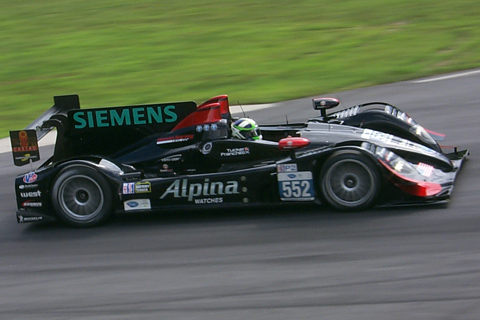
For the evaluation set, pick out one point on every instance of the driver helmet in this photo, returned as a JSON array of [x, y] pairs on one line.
[[246, 129]]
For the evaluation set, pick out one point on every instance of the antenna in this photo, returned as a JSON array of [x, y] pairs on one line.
[[243, 111], [286, 118]]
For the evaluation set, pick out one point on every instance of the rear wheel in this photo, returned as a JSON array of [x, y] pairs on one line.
[[81, 196], [350, 180]]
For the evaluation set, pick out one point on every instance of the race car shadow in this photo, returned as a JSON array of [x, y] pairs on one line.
[[280, 212], [287, 213]]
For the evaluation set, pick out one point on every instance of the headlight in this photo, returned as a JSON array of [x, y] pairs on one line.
[[405, 175], [392, 160], [420, 132]]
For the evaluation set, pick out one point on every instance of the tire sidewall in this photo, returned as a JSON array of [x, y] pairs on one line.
[[355, 156], [90, 173]]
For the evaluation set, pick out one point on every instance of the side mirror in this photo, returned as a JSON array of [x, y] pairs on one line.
[[325, 103]]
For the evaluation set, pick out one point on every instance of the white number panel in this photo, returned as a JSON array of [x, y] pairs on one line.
[[296, 186]]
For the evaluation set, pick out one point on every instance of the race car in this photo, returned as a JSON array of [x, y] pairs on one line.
[[178, 155]]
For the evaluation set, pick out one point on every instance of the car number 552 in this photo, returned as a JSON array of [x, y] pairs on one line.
[[296, 186]]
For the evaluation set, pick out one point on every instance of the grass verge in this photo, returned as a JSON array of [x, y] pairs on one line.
[[119, 52]]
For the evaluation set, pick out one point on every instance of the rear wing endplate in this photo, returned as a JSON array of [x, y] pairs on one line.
[[25, 142], [62, 104]]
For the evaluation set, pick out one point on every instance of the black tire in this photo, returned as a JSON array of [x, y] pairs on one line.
[[81, 196], [350, 181]]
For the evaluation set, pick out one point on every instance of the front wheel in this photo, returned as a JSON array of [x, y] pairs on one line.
[[81, 196], [350, 181]]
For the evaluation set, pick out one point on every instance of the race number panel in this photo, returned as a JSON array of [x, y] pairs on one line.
[[296, 186]]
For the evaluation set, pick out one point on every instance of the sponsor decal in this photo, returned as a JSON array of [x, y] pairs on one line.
[[137, 204], [209, 201], [123, 116], [376, 135], [185, 189], [165, 168], [290, 167], [172, 158], [137, 187], [22, 219], [27, 186], [30, 177], [32, 194], [173, 139], [207, 148], [143, 187], [129, 188], [235, 152], [32, 204], [296, 186], [425, 169], [24, 147], [24, 158]]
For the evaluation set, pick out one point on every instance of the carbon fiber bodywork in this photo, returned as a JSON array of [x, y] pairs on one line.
[[153, 157]]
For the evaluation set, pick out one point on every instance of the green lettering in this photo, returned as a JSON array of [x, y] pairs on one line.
[[170, 112], [78, 117], [154, 116], [119, 120], [91, 124], [102, 118], [138, 115]]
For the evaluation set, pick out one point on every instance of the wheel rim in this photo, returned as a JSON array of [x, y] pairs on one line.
[[350, 183], [81, 197]]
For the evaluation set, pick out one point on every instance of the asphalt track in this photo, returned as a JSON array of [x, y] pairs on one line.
[[303, 262]]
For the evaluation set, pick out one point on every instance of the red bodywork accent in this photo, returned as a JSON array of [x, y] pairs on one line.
[[213, 110], [413, 187], [224, 105], [204, 114], [436, 135], [291, 143], [420, 188]]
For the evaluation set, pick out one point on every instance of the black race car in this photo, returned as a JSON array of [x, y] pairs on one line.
[[152, 157]]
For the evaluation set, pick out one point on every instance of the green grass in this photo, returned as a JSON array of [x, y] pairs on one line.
[[119, 52]]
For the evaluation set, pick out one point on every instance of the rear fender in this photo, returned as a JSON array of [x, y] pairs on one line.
[[111, 171]]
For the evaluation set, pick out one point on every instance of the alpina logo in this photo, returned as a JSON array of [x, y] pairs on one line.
[[184, 189]]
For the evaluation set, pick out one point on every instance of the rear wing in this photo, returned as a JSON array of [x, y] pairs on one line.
[[61, 106], [108, 131]]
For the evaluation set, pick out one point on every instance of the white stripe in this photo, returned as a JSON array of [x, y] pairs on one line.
[[452, 76]]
